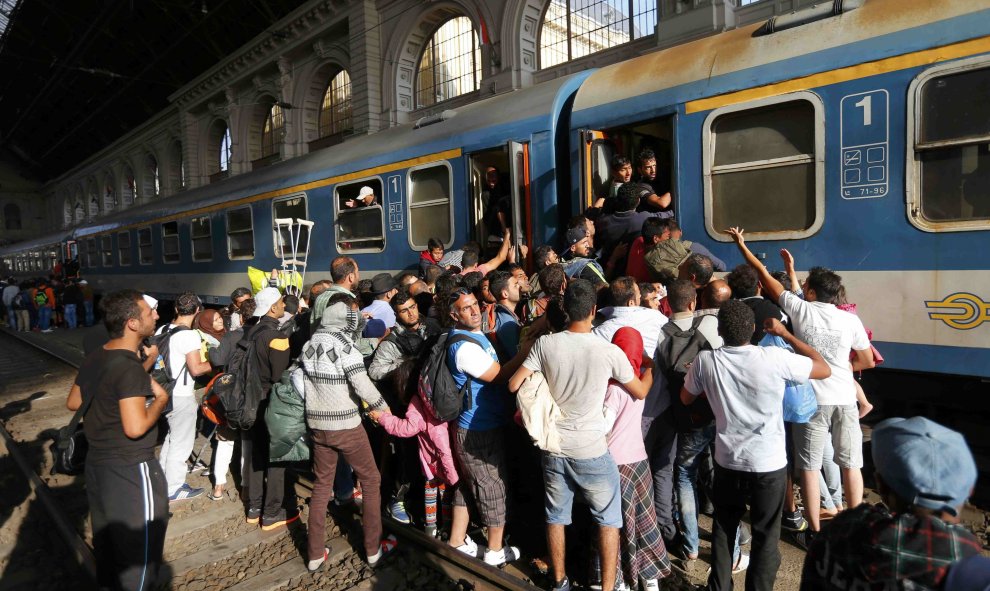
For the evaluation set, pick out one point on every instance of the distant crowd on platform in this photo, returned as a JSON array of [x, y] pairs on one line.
[[612, 379], [43, 305]]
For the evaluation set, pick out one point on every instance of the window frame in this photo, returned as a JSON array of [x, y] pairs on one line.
[[92, 253], [178, 242], [150, 245], [121, 249], [305, 198], [193, 238], [409, 202], [818, 159], [912, 165], [330, 110], [337, 211], [477, 61], [254, 247], [570, 36]]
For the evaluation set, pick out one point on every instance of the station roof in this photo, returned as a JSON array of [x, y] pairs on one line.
[[75, 76]]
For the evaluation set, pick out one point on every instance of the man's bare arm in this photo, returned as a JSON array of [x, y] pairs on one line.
[[771, 286]]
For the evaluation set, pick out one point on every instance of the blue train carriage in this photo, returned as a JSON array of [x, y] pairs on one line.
[[427, 179], [858, 141], [36, 257]]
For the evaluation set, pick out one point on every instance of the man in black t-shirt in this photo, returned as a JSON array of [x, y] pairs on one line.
[[124, 482], [745, 285]]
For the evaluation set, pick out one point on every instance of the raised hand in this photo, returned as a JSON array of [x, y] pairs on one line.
[[737, 235], [787, 257]]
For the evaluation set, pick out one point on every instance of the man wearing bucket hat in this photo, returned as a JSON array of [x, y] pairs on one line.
[[924, 472], [384, 288]]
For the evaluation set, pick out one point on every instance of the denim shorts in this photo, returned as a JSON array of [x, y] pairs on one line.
[[595, 479]]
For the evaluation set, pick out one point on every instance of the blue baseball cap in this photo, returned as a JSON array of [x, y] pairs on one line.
[[374, 329], [924, 463], [970, 574]]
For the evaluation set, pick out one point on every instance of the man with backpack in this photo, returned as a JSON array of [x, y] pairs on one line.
[[44, 302], [179, 362], [478, 440], [264, 482], [681, 340], [745, 387]]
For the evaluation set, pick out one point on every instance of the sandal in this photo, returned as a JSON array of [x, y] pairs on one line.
[[214, 495]]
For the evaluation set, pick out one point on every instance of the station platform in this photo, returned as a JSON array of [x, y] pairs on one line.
[[64, 343]]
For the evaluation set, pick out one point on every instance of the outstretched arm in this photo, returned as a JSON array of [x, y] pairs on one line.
[[771, 286], [788, 258], [503, 253]]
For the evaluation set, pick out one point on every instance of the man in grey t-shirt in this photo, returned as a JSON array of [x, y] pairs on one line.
[[577, 367]]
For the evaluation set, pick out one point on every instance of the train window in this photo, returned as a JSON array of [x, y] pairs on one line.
[[289, 208], [91, 252], [124, 248], [106, 250], [145, 249], [201, 236], [170, 242], [948, 161], [360, 220], [429, 205], [764, 168], [240, 234]]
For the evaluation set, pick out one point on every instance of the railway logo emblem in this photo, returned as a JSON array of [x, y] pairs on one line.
[[961, 311]]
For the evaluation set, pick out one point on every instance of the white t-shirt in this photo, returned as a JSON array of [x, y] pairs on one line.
[[745, 386], [834, 333], [472, 359], [648, 322], [179, 344], [577, 367]]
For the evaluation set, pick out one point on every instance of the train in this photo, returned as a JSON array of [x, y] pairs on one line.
[[854, 134]]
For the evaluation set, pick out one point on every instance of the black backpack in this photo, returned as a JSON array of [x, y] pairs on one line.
[[675, 354], [239, 387], [437, 387]]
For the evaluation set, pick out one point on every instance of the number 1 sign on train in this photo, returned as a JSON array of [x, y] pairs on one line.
[[865, 144]]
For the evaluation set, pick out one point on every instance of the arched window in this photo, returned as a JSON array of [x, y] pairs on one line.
[[94, 204], [152, 179], [271, 133], [79, 212], [129, 189], [109, 194], [12, 216], [575, 28], [451, 63], [335, 112], [225, 150], [67, 213]]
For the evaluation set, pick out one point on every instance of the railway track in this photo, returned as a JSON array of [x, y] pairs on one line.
[[210, 547]]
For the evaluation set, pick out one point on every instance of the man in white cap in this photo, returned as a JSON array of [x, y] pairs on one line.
[[924, 472], [366, 196], [264, 483]]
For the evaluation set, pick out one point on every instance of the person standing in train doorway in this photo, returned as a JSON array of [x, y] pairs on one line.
[[125, 484], [498, 207]]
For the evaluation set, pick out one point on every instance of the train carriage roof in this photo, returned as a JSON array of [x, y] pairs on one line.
[[736, 59], [468, 127]]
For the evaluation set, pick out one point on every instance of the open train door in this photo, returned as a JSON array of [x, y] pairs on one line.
[[522, 212], [595, 162]]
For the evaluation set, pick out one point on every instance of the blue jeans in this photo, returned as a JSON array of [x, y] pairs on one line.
[[88, 307], [70, 316], [44, 317], [690, 446], [12, 318], [596, 478], [830, 479]]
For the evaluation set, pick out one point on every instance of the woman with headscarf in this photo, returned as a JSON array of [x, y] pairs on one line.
[[335, 384], [642, 552]]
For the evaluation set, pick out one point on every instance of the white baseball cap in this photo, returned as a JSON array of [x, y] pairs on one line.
[[365, 191], [265, 299], [152, 302]]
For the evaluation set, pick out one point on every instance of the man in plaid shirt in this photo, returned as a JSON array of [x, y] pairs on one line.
[[925, 473]]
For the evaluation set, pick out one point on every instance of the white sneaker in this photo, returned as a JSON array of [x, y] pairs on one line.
[[651, 585], [315, 565], [504, 556], [469, 547], [742, 564]]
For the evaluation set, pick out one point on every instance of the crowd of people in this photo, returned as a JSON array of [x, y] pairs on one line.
[[621, 373], [43, 305]]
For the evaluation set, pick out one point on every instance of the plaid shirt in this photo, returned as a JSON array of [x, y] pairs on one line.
[[869, 548]]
